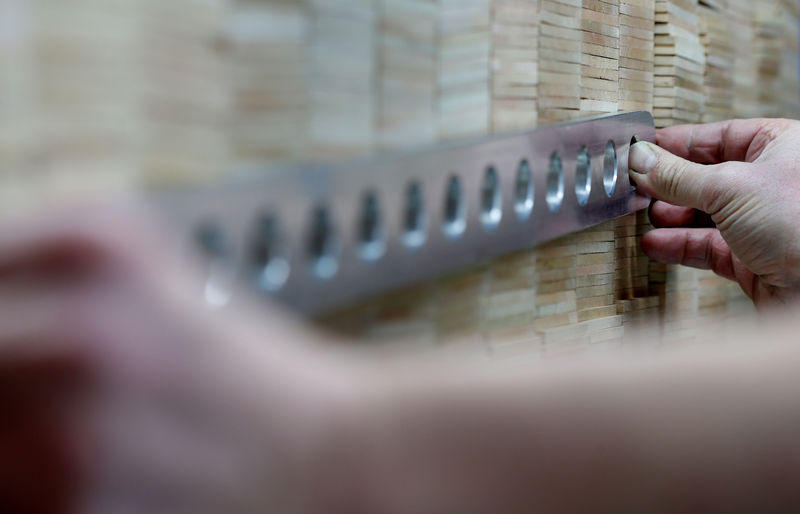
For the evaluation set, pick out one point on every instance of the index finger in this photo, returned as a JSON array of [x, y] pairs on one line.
[[714, 143]]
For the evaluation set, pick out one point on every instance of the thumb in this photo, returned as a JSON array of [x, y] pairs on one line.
[[667, 177]]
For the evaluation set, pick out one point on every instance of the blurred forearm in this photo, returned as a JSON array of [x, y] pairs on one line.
[[700, 430]]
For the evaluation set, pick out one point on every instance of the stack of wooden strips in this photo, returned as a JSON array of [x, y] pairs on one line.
[[769, 47], [636, 26], [463, 95], [406, 73], [596, 283], [679, 63], [718, 40], [776, 57], [509, 298], [600, 53], [340, 77], [186, 95], [143, 92], [790, 65], [632, 294], [514, 78], [509, 306], [110, 96], [739, 18], [267, 62], [18, 106], [595, 259], [559, 60], [302, 79]]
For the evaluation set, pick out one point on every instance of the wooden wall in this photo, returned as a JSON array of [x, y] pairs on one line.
[[146, 93]]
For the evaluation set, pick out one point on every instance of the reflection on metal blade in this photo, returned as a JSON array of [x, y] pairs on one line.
[[320, 235]]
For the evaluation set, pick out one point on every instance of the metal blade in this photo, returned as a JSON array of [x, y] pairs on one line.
[[317, 236]]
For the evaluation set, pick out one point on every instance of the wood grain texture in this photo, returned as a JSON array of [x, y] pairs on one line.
[[153, 94]]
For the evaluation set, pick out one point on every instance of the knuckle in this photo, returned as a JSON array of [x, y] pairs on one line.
[[722, 185]]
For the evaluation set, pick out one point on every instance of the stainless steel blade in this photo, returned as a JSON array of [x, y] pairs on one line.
[[320, 235]]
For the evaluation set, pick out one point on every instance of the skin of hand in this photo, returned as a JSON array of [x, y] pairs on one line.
[[120, 392], [727, 201]]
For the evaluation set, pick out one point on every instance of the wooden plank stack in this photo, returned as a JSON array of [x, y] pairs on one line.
[[559, 60], [508, 307], [106, 96], [342, 68], [18, 104], [679, 63], [790, 66], [776, 56], [406, 73], [740, 19], [145, 93], [186, 95], [267, 63], [636, 33], [600, 54], [717, 38], [85, 108], [463, 85], [595, 262], [769, 47], [514, 66]]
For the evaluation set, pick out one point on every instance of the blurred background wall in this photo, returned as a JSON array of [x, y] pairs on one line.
[[103, 96]]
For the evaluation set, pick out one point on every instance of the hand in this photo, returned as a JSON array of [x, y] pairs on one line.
[[745, 176], [120, 393]]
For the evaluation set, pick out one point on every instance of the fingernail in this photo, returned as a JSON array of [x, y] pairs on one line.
[[642, 158]]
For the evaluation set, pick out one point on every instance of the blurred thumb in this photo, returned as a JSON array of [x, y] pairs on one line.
[[668, 177]]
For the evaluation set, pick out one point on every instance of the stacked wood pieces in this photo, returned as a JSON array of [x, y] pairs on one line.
[[634, 300], [302, 79], [508, 308], [111, 96], [600, 54], [740, 19], [556, 283], [560, 68], [679, 63], [718, 40], [342, 68], [720, 53], [681, 305], [463, 85], [636, 26], [514, 79], [406, 73], [123, 94], [268, 62], [186, 97], [509, 305], [790, 71], [560, 60], [87, 93], [634, 303], [769, 47], [596, 281], [460, 306], [463, 109], [18, 105]]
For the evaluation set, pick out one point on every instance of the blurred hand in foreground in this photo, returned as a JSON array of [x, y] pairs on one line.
[[120, 392], [728, 202]]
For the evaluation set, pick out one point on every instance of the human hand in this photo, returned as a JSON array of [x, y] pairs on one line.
[[120, 392], [728, 201]]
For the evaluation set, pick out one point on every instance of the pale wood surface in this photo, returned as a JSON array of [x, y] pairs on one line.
[[151, 94]]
